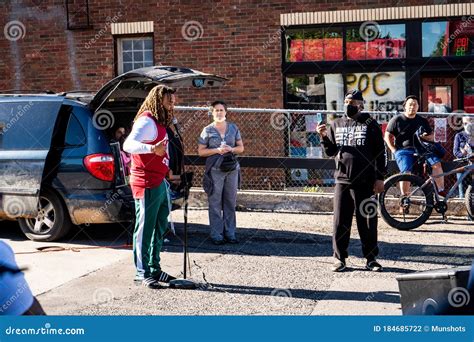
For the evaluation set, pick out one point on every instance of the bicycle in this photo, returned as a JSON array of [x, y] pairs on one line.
[[409, 211]]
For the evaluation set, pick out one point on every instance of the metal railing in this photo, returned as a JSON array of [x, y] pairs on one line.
[[282, 148]]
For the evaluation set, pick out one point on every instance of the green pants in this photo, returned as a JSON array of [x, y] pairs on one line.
[[150, 227]]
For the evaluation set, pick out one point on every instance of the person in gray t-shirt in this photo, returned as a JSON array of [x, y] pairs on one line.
[[219, 142]]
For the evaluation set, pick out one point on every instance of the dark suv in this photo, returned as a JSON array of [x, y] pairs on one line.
[[58, 166]]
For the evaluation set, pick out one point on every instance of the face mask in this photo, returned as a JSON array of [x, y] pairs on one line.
[[351, 110], [219, 119], [469, 128]]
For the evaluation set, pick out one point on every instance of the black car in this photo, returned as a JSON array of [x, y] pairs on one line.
[[59, 166]]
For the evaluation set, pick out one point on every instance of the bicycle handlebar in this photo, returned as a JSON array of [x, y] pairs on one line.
[[467, 158]]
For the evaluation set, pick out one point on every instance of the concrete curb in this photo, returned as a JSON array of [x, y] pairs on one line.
[[281, 201]]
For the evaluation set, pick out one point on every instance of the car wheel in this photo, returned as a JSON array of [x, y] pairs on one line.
[[52, 222]]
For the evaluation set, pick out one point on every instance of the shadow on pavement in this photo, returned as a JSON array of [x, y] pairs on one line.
[[267, 242], [261, 241], [104, 235], [378, 296]]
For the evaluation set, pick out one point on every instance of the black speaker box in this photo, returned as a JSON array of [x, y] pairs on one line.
[[437, 292]]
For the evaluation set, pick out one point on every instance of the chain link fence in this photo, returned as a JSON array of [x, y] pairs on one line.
[[286, 133]]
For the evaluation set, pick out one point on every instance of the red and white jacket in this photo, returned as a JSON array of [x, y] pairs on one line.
[[148, 169]]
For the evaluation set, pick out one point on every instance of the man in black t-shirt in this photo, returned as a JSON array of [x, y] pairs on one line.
[[399, 138]]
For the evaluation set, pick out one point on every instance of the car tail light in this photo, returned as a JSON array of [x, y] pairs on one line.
[[101, 166]]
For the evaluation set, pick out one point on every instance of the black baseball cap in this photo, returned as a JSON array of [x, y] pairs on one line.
[[354, 94]]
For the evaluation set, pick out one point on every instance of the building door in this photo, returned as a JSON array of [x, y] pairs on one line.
[[439, 94]]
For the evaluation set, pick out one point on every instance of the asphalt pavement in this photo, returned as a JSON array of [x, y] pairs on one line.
[[280, 267]]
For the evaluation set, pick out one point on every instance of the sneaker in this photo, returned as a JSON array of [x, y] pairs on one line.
[[339, 266], [149, 282], [218, 242], [163, 277], [373, 265]]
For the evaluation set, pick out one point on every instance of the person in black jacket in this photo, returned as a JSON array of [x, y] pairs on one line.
[[356, 142]]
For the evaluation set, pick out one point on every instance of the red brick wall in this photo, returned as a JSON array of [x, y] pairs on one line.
[[240, 41]]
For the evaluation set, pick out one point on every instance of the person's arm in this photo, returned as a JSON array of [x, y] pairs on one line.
[[429, 134], [239, 144], [428, 137], [239, 147], [203, 151], [389, 139], [457, 150], [175, 179], [328, 140], [143, 132], [379, 152], [390, 134]]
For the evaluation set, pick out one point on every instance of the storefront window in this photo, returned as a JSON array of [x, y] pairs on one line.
[[469, 95], [380, 42], [448, 38], [320, 91], [313, 45], [383, 91], [439, 99]]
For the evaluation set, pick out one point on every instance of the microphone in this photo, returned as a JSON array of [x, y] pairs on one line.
[[175, 123], [177, 127]]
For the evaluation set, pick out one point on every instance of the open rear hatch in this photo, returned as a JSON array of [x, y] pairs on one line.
[[131, 88], [135, 85]]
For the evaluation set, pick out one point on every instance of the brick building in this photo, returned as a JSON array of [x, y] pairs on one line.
[[280, 53]]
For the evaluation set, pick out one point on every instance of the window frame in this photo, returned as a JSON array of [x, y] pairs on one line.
[[434, 20], [74, 117], [118, 49], [344, 27]]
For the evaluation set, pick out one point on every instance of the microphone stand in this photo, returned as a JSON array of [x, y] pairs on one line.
[[183, 283]]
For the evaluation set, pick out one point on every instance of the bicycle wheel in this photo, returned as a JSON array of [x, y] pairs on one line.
[[406, 212], [469, 201]]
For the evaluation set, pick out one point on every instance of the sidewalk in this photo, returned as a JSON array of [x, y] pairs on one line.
[[281, 267], [294, 202]]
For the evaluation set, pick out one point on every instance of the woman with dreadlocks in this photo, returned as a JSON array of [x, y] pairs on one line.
[[148, 145]]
